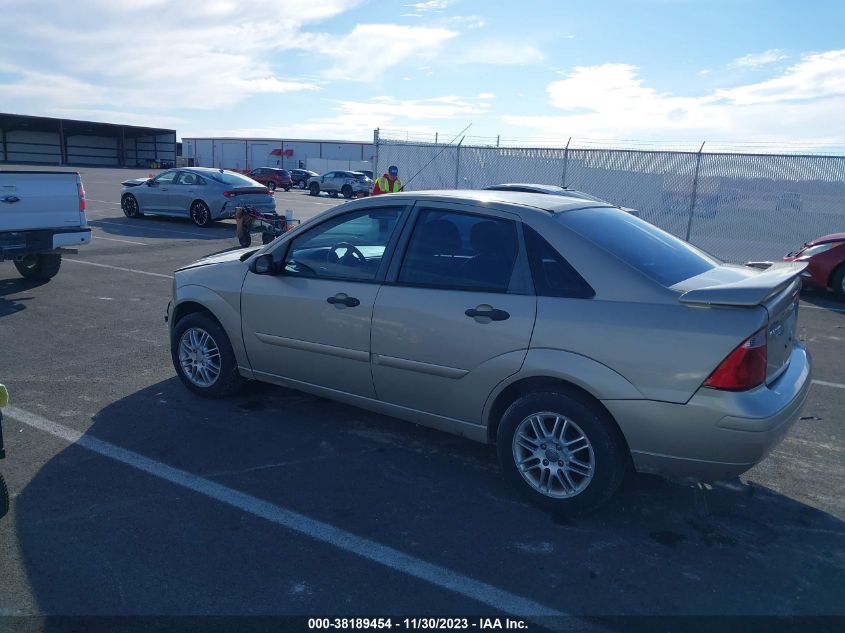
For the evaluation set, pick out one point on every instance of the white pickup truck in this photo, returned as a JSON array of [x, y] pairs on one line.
[[42, 215]]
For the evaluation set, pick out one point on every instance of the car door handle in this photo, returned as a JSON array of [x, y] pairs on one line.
[[10, 199], [491, 313], [349, 302]]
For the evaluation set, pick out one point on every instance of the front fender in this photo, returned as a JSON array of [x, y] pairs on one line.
[[227, 314], [597, 379]]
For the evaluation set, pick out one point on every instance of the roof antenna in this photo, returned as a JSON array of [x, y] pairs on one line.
[[445, 147]]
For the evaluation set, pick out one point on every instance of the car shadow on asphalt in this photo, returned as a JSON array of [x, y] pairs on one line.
[[99, 537], [13, 287], [822, 298], [162, 228]]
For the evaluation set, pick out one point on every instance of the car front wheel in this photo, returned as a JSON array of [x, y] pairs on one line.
[[562, 451], [837, 282], [203, 358], [271, 186]]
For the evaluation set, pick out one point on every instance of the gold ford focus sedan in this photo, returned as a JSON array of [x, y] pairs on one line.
[[576, 337]]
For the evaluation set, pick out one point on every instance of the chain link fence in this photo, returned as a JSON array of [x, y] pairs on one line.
[[738, 206]]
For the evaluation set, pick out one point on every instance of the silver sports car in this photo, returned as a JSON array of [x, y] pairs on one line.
[[576, 337], [199, 193]]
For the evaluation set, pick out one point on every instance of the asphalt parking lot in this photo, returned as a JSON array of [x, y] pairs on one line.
[[131, 496]]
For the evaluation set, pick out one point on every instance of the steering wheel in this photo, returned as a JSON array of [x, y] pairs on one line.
[[351, 251]]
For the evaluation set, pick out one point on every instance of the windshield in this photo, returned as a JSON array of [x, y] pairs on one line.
[[652, 251], [236, 180]]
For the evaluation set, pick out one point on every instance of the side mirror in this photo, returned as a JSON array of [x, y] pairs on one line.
[[150, 183], [263, 265]]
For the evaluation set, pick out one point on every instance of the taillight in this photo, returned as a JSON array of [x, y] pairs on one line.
[[744, 368], [229, 194], [81, 190]]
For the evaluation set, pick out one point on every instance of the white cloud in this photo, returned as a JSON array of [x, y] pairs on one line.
[[430, 5], [499, 53], [612, 101], [370, 49], [150, 54], [467, 21], [756, 60], [486, 95]]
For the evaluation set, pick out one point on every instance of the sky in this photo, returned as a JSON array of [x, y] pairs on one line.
[[751, 73]]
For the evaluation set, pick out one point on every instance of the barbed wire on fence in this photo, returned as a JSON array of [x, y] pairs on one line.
[[739, 206]]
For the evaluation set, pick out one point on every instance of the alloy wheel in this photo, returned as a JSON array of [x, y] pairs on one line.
[[199, 357], [553, 455]]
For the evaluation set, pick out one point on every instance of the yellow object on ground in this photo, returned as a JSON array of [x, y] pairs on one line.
[[4, 396]]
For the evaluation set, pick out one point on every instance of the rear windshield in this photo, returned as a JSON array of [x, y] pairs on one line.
[[236, 180], [654, 252], [283, 172], [357, 176]]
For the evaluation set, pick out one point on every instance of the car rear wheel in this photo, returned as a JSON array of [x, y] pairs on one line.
[[315, 189], [302, 184], [562, 451], [346, 190], [40, 267], [129, 205], [837, 282], [203, 358], [201, 214], [287, 188], [271, 186]]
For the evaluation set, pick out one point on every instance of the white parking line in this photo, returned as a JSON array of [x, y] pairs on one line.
[[128, 270], [824, 383], [389, 557], [805, 306], [114, 239], [117, 204]]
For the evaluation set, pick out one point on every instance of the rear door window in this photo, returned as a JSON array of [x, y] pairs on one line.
[[461, 251], [657, 254]]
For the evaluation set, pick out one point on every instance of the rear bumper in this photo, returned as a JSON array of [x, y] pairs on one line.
[[717, 434], [19, 243]]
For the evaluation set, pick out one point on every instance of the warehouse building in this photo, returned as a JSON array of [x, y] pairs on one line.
[[242, 154], [44, 140]]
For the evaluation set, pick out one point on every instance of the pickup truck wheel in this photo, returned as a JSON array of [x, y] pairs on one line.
[[201, 214], [203, 358], [314, 188], [41, 267], [562, 451], [130, 206], [346, 190]]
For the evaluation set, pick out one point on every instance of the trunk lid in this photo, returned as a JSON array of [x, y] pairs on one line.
[[257, 196], [775, 289]]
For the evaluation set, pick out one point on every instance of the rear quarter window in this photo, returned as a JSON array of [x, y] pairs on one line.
[[655, 253]]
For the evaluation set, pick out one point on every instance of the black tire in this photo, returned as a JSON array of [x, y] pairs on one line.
[[314, 189], [609, 451], [229, 380], [271, 186], [41, 267], [287, 188], [245, 239], [201, 214], [303, 184], [129, 205], [4, 498], [837, 282], [346, 190]]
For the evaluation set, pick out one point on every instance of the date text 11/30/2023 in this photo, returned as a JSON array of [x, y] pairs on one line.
[[417, 623]]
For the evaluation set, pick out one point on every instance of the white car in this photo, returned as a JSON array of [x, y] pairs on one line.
[[42, 214]]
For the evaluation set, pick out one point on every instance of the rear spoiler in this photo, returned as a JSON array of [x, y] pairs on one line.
[[751, 291]]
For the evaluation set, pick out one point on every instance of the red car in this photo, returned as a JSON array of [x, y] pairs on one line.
[[825, 257], [272, 177]]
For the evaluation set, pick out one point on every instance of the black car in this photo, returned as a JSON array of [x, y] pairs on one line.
[[300, 177]]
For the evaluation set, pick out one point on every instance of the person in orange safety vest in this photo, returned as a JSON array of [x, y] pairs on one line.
[[389, 183]]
